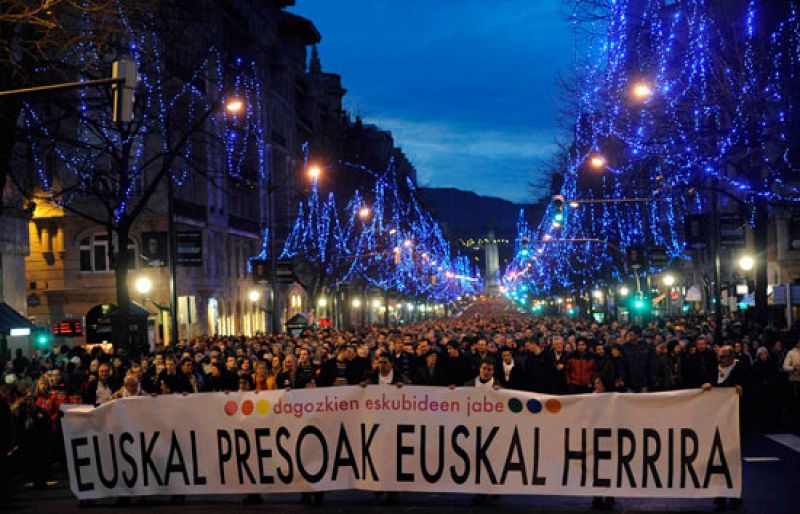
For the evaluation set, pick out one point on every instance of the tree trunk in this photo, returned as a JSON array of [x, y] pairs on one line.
[[760, 229], [122, 329], [9, 112]]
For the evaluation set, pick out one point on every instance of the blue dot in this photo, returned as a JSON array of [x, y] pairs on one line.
[[535, 406]]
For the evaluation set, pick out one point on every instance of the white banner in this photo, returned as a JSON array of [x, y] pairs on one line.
[[425, 439]]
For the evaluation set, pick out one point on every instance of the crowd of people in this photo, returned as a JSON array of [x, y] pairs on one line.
[[553, 355]]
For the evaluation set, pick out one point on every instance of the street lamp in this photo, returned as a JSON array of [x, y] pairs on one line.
[[669, 280], [254, 295], [597, 161], [143, 285], [234, 106], [322, 302], [624, 291], [364, 213], [356, 303], [641, 91], [314, 172], [746, 262]]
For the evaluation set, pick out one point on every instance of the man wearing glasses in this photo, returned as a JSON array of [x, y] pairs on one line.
[[732, 374]]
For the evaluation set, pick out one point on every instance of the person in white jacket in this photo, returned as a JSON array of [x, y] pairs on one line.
[[791, 365]]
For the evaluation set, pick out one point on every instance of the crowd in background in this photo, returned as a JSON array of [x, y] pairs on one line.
[[545, 355]]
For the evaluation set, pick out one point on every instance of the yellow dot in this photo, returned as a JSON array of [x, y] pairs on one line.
[[262, 407]]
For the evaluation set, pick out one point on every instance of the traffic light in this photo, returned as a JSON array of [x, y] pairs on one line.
[[42, 340], [524, 251], [125, 71], [558, 209], [640, 304]]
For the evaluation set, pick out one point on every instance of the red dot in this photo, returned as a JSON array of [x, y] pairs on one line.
[[247, 407], [230, 408]]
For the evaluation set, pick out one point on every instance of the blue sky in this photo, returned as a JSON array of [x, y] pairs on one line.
[[467, 87]]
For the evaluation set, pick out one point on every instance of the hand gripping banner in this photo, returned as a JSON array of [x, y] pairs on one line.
[[423, 439]]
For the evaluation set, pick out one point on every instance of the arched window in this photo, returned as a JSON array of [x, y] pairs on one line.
[[95, 256]]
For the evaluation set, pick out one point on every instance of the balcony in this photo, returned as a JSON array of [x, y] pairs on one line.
[[189, 210], [244, 225]]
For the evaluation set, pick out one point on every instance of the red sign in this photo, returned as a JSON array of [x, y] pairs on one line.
[[68, 327], [325, 322]]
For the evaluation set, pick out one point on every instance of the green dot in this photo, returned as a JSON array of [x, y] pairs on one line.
[[514, 405]]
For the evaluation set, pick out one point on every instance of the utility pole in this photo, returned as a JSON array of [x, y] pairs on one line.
[[717, 269], [275, 312], [173, 263]]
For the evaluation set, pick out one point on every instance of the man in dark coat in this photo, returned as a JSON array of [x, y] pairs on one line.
[[638, 363], [508, 373], [731, 373], [430, 373], [539, 374]]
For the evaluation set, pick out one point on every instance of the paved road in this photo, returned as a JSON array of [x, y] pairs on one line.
[[770, 486]]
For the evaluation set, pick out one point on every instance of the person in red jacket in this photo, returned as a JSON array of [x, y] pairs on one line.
[[581, 369]]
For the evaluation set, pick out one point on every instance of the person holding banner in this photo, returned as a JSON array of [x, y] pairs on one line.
[[385, 375], [731, 373]]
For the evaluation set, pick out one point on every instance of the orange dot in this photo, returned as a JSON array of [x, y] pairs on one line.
[[553, 405], [230, 408], [247, 407]]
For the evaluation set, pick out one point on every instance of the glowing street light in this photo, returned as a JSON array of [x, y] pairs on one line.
[[597, 161], [642, 91], [364, 213], [322, 302], [624, 291], [407, 243], [747, 262], [143, 285], [669, 280], [254, 295], [314, 172], [234, 106], [597, 293], [356, 303]]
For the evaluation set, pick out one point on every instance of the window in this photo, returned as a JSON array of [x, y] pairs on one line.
[[94, 254]]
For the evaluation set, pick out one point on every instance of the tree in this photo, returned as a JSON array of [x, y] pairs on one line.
[[107, 171], [677, 99], [31, 31]]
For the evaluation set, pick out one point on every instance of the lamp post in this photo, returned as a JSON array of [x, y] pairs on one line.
[[233, 106], [668, 281], [254, 296]]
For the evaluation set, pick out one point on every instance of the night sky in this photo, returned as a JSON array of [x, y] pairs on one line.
[[467, 87]]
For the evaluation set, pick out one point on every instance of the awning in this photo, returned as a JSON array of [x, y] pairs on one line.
[[9, 318]]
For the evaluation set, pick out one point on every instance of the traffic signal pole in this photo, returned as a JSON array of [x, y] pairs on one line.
[[123, 81]]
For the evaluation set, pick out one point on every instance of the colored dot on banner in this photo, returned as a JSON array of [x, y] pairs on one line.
[[514, 405], [230, 408], [262, 407], [535, 406], [247, 407], [553, 405]]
